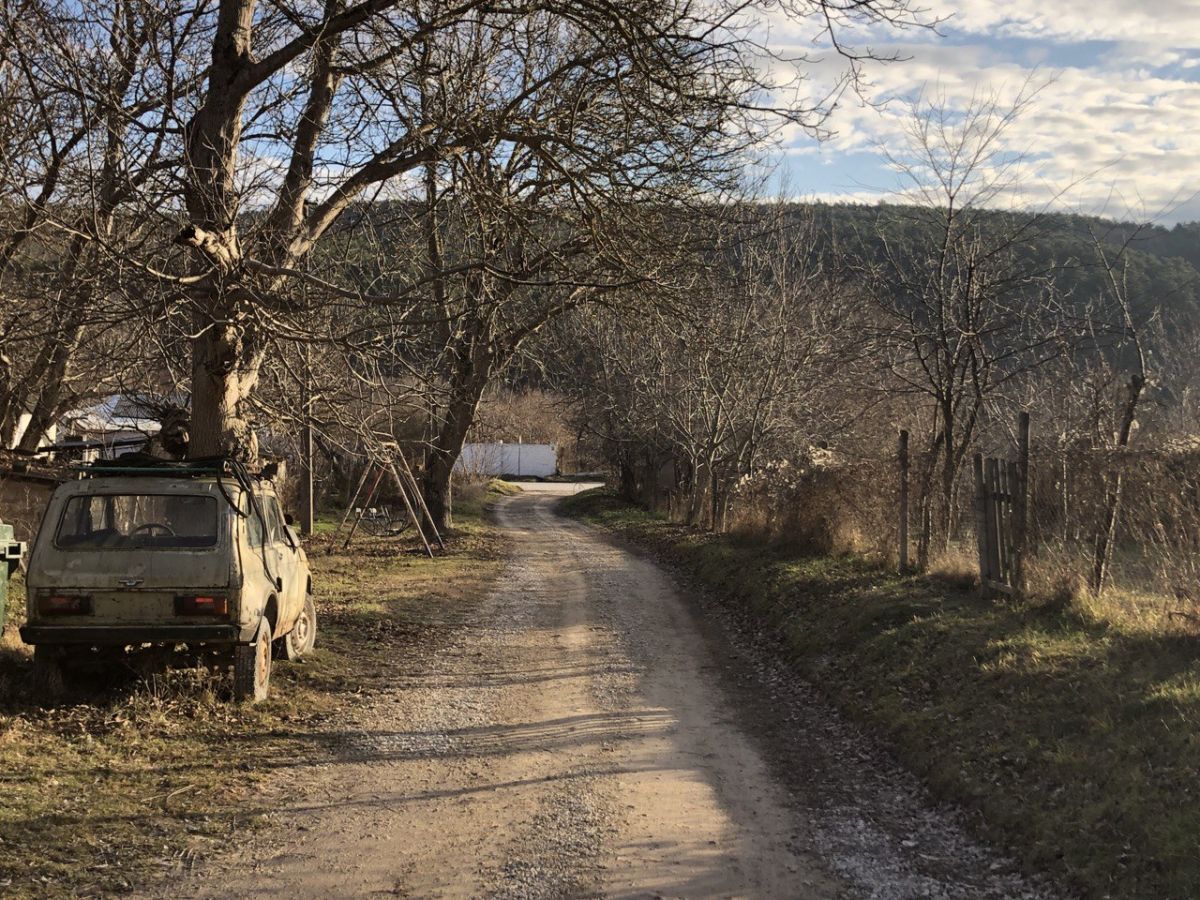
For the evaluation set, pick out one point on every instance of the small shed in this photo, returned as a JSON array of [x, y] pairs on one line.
[[118, 424], [519, 460]]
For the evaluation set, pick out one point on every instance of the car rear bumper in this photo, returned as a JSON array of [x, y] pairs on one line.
[[133, 634]]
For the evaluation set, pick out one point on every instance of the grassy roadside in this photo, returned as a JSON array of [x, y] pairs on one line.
[[134, 778], [1077, 740]]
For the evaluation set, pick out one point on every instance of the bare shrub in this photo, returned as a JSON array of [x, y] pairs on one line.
[[818, 505], [1154, 563]]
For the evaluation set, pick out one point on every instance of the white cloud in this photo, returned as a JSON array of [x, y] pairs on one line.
[[1163, 23], [1112, 128]]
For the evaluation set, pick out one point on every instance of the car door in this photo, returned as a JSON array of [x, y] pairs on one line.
[[287, 563], [260, 564]]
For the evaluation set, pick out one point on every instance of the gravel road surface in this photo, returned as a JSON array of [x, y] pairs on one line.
[[592, 730]]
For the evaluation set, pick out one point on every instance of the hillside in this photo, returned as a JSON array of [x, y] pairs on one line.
[[1163, 264]]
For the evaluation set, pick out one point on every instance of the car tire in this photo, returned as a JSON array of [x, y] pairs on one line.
[[48, 676], [252, 667], [300, 640]]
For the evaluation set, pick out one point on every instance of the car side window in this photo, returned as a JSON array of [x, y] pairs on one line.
[[274, 519], [254, 527]]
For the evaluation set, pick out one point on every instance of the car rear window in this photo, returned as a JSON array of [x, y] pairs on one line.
[[138, 522]]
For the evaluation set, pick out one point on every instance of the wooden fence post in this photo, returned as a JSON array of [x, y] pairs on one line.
[[991, 484], [981, 529], [1021, 506], [926, 535], [903, 501]]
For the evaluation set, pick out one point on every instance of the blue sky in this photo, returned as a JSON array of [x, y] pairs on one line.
[[1115, 128]]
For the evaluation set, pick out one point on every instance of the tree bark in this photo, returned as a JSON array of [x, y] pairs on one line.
[[440, 465], [948, 473], [471, 381], [628, 480], [222, 359], [222, 377], [46, 407]]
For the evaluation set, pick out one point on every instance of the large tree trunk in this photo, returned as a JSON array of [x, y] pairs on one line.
[[49, 399], [436, 488], [224, 371], [439, 465], [628, 479], [224, 365], [696, 493], [472, 379]]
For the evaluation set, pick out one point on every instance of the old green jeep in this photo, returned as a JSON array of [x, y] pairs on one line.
[[196, 554]]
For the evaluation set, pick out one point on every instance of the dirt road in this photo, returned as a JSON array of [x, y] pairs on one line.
[[582, 734]]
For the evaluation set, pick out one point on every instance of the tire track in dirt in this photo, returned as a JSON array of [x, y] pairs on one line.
[[572, 737]]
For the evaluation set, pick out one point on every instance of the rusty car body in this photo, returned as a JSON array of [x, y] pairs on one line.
[[197, 554]]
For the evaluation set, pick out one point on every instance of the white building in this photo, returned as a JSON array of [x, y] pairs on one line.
[[518, 460], [112, 427]]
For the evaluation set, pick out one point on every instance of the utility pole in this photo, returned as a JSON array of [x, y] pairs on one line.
[[307, 500]]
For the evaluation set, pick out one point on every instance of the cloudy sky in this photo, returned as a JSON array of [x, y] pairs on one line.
[[1115, 130]]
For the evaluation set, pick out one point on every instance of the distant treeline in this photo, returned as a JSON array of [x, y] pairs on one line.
[[1163, 264]]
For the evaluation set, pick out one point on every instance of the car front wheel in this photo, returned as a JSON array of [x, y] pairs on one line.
[[252, 667]]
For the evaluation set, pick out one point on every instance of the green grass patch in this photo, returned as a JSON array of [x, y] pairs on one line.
[[500, 488], [472, 499], [1077, 740], [126, 781]]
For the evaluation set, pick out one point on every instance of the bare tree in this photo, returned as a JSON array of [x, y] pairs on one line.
[[965, 311], [385, 92], [97, 84], [1129, 340], [530, 143], [727, 384]]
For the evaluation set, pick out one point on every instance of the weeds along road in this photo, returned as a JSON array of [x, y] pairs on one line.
[[576, 736]]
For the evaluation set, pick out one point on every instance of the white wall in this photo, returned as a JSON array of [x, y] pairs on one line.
[[531, 460], [23, 421]]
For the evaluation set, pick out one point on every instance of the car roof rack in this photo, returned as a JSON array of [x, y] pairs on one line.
[[144, 464]]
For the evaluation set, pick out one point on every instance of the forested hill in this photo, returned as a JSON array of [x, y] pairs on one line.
[[1163, 264], [1163, 268]]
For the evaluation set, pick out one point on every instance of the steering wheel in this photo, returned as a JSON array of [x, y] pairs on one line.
[[150, 526]]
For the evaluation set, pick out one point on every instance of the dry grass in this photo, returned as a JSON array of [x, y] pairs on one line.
[[955, 567], [137, 777], [1057, 578], [818, 508], [472, 498]]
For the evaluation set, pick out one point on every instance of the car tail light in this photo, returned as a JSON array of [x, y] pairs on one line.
[[201, 606], [64, 605]]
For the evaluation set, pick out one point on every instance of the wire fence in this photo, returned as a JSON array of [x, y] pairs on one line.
[[1122, 522]]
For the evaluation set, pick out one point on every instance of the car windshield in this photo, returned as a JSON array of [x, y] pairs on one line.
[[138, 521]]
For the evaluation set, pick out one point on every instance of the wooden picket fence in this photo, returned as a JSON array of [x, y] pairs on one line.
[[1001, 505], [996, 498], [1001, 502]]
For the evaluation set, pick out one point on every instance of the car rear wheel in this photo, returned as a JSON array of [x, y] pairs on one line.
[[299, 641], [252, 667], [48, 677]]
